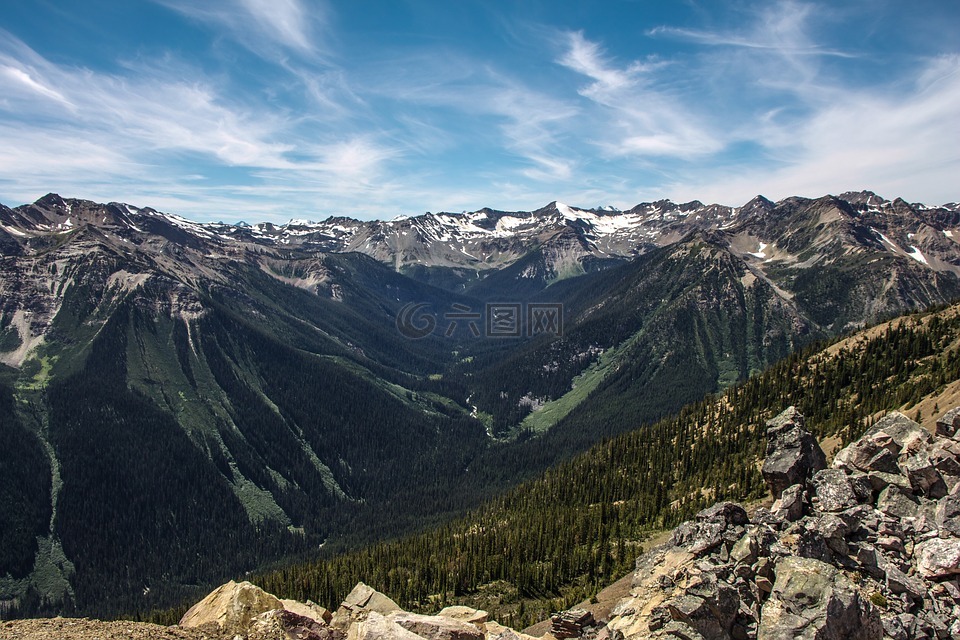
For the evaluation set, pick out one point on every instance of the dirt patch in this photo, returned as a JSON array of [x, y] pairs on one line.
[[84, 629]]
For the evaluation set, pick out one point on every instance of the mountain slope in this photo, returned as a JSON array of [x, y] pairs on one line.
[[558, 539]]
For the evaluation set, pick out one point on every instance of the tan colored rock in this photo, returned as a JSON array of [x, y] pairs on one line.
[[496, 631], [232, 607], [436, 627], [465, 614], [359, 603], [308, 609], [376, 626]]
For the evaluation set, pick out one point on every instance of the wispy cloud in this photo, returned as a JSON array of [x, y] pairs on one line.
[[638, 116], [143, 126], [894, 139], [263, 26]]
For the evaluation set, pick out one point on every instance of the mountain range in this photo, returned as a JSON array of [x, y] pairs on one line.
[[229, 395]]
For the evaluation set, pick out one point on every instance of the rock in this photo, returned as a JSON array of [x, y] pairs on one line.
[[833, 490], [465, 614], [949, 423], [948, 514], [789, 506], [309, 610], [436, 627], [898, 582], [570, 623], [869, 560], [375, 626], [281, 624], [893, 628], [361, 601], [904, 432], [862, 487], [496, 631], [873, 452], [880, 481], [896, 502], [793, 454], [232, 607], [938, 557], [745, 551], [812, 600], [834, 529], [706, 530], [923, 475]]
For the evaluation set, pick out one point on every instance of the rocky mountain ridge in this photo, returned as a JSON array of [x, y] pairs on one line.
[[866, 548], [486, 239]]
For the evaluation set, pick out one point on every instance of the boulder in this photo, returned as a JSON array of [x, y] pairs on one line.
[[436, 627], [948, 514], [904, 432], [923, 475], [746, 550], [359, 603], [938, 557], [896, 502], [308, 609], [280, 624], [793, 454], [833, 490], [812, 600], [789, 506], [231, 607], [949, 423], [375, 626], [465, 614], [874, 452], [706, 530]]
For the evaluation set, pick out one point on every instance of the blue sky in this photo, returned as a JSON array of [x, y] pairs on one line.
[[272, 109]]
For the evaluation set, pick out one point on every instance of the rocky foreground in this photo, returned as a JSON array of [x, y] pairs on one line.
[[865, 549]]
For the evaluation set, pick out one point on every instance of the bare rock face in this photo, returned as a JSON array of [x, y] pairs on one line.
[[232, 607], [793, 455]]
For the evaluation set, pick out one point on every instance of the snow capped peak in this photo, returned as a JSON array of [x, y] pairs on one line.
[[566, 211]]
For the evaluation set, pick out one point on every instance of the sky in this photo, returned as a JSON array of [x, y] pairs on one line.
[[261, 110]]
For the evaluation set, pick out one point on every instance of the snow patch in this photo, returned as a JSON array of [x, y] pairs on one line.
[[759, 252], [916, 255], [17, 232]]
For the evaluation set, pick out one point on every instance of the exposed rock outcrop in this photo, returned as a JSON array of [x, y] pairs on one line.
[[867, 549], [231, 607], [793, 455]]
